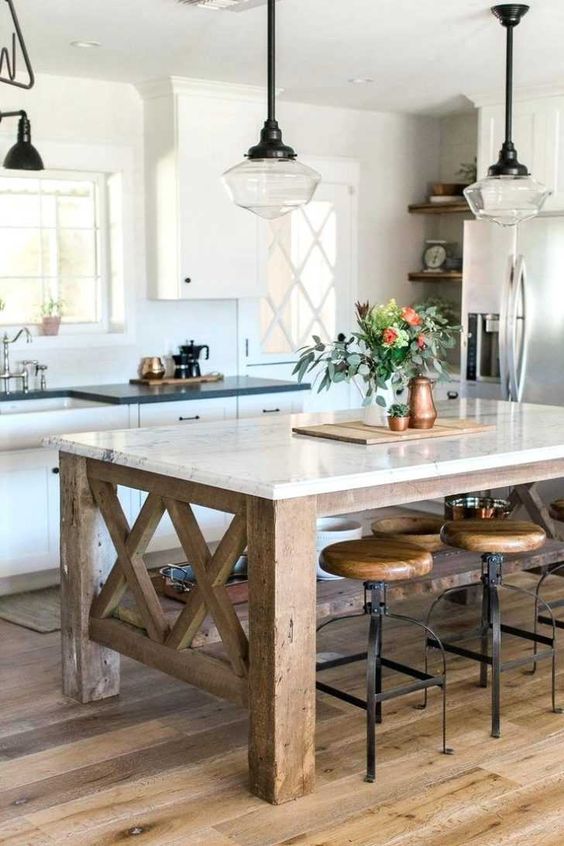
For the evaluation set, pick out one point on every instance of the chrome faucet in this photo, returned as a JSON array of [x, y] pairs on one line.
[[6, 375]]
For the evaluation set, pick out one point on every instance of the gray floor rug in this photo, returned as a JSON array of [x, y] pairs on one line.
[[39, 610]]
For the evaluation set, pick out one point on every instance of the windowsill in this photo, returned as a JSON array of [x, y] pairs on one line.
[[66, 341]]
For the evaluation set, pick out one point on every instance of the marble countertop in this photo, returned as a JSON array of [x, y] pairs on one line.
[[262, 457], [127, 394]]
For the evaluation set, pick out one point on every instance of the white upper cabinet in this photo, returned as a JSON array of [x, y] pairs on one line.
[[538, 134], [199, 244]]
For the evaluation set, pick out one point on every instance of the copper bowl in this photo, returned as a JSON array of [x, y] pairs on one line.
[[152, 367], [476, 508], [420, 531]]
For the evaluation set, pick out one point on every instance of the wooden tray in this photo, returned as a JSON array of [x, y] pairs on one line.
[[194, 380], [357, 432]]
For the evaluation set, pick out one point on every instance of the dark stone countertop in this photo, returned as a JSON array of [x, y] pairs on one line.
[[126, 394]]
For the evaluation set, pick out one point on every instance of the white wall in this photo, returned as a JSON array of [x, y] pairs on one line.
[[398, 155]]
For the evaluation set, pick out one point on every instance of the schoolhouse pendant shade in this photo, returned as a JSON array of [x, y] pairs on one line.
[[508, 195], [271, 182]]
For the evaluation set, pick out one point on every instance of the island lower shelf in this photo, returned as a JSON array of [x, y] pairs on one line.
[[452, 568]]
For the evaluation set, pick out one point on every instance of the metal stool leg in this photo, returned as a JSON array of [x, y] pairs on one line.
[[373, 680], [485, 629], [496, 660]]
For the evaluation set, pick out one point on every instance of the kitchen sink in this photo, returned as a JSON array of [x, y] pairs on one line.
[[33, 406]]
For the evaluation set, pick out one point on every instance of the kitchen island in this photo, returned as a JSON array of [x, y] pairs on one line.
[[275, 484]]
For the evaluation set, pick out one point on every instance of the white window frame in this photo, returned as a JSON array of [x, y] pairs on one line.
[[123, 166], [103, 258]]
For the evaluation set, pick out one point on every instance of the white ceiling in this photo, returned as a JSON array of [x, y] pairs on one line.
[[422, 54]]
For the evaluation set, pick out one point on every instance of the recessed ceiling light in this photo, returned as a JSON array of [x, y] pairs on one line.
[[85, 44], [361, 80]]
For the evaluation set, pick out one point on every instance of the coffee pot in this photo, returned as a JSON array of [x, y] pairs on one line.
[[187, 363]]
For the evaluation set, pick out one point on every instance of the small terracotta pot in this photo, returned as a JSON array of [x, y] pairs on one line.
[[422, 411], [50, 325], [398, 424]]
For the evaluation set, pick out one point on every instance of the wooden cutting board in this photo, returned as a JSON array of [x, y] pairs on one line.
[[194, 380], [357, 432]]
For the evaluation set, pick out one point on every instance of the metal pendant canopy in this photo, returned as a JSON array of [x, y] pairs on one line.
[[8, 55]]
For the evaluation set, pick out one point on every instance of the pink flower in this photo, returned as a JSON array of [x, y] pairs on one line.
[[389, 336], [421, 342], [410, 316]]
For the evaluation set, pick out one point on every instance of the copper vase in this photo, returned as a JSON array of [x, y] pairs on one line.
[[422, 411]]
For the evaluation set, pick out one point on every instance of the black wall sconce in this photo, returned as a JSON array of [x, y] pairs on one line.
[[23, 155]]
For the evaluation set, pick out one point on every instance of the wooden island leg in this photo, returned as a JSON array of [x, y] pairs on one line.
[[90, 671], [282, 585]]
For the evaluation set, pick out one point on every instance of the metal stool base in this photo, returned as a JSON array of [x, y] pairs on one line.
[[492, 564], [377, 609]]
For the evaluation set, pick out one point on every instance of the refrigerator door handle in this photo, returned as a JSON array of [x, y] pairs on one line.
[[504, 330], [518, 329]]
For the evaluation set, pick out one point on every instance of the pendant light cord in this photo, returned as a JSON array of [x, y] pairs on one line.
[[271, 59], [509, 86]]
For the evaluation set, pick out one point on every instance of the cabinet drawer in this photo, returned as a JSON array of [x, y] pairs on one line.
[[265, 405], [188, 412]]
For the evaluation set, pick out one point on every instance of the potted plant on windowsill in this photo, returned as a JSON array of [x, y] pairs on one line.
[[51, 312], [393, 348], [398, 417]]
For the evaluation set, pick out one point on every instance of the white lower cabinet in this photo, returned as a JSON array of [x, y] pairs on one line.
[[270, 405], [29, 509], [189, 413]]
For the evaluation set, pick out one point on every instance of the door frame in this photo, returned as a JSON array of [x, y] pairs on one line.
[[335, 171]]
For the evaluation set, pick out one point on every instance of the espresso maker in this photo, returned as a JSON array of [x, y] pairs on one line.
[[187, 363]]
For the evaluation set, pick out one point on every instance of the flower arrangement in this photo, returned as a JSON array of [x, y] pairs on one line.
[[392, 345]]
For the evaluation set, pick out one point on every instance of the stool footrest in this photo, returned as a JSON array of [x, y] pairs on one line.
[[548, 622], [487, 659], [393, 693], [536, 638]]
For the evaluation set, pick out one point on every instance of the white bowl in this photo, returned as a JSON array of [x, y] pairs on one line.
[[334, 530]]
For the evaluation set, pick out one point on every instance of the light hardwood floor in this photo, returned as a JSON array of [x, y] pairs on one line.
[[166, 764]]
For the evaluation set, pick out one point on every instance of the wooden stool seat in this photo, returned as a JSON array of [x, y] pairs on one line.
[[420, 531], [556, 510], [493, 535], [376, 560]]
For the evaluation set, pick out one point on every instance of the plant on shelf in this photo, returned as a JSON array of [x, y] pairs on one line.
[[392, 346], [468, 171], [51, 312], [398, 416]]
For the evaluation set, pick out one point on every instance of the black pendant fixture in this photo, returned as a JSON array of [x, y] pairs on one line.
[[23, 155], [271, 182], [509, 194], [8, 55]]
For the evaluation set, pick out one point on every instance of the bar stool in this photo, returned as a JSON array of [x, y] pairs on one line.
[[494, 538], [376, 562], [424, 531]]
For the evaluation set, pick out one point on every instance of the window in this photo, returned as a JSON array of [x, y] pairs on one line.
[[53, 244]]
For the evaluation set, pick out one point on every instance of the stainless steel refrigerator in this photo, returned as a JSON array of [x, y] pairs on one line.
[[513, 311]]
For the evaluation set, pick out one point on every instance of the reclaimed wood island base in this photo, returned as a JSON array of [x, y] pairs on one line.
[[275, 485]]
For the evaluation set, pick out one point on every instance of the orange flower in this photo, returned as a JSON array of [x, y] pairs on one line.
[[421, 342], [389, 336], [410, 316]]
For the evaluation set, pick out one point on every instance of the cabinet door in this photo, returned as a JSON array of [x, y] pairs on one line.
[[218, 240], [538, 136], [187, 413], [29, 505], [271, 405]]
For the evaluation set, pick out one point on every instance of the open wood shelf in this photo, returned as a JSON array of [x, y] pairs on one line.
[[430, 276], [461, 207]]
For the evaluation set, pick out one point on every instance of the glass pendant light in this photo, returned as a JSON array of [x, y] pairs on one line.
[[509, 194], [271, 182]]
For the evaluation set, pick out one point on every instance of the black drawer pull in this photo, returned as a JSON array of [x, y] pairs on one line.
[[196, 417], [270, 410], [55, 470], [452, 394], [188, 280]]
